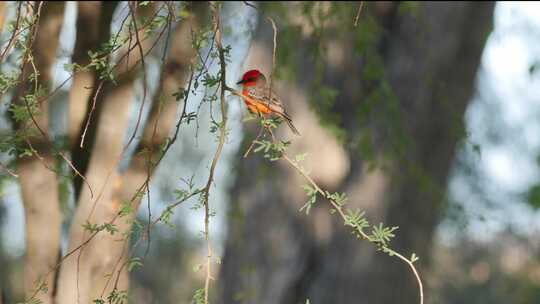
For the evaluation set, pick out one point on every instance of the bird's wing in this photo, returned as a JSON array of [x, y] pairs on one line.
[[261, 94], [272, 102]]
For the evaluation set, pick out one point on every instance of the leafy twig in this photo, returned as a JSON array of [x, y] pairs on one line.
[[221, 143], [380, 235]]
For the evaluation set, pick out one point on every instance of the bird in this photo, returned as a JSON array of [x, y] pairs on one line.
[[259, 100]]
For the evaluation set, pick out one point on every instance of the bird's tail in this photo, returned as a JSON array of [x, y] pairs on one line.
[[288, 120]]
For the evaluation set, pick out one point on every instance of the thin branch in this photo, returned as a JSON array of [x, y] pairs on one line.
[[362, 233], [138, 43], [90, 114], [340, 211], [5, 168], [223, 124], [274, 28], [358, 13], [250, 5], [261, 130], [16, 33]]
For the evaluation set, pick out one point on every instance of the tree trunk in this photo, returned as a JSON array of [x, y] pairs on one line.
[[274, 254], [37, 173], [99, 267], [93, 29]]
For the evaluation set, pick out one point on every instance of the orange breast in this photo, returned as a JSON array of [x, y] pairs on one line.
[[255, 106]]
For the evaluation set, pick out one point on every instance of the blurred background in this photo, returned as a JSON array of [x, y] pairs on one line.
[[426, 114]]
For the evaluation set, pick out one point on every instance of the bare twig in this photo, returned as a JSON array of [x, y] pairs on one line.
[[5, 168], [274, 28], [250, 5], [261, 130], [358, 13], [90, 114], [138, 43], [16, 32]]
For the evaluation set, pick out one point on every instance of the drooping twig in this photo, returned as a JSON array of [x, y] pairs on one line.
[[339, 209], [138, 42]]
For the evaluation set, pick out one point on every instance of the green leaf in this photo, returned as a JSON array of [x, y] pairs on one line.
[[91, 227], [382, 234], [339, 198], [198, 296], [197, 267], [110, 228], [356, 219], [134, 262], [125, 209], [180, 94], [300, 157]]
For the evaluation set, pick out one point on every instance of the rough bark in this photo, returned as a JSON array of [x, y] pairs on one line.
[[274, 254]]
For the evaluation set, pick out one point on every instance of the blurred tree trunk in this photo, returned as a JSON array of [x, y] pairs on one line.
[[90, 273], [37, 172], [275, 254], [100, 266], [2, 15], [87, 38]]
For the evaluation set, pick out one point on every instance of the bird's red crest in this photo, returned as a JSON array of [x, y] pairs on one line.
[[250, 76]]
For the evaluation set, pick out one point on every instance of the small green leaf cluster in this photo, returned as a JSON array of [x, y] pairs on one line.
[[311, 193], [198, 296], [271, 150], [28, 106], [115, 297], [379, 235], [94, 228], [42, 288], [8, 81], [100, 62], [134, 262], [182, 195]]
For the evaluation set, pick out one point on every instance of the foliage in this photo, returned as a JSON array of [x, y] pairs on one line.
[[110, 63]]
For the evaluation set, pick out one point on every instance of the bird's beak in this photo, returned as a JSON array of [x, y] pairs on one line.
[[240, 82]]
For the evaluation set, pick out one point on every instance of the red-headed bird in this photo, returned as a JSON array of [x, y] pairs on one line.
[[256, 97]]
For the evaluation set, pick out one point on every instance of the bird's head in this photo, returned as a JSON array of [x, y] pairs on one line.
[[252, 78]]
